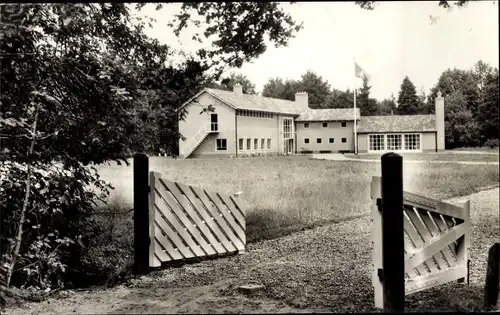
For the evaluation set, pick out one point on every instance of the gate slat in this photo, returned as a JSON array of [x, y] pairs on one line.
[[227, 243], [168, 245], [443, 228], [238, 232], [174, 236], [203, 213], [234, 211], [415, 239], [426, 236], [201, 248], [448, 257]]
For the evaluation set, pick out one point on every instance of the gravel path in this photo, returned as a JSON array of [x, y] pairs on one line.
[[326, 269]]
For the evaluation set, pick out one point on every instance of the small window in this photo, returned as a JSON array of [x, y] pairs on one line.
[[306, 140], [306, 125], [343, 124], [255, 144], [262, 142], [344, 140], [221, 144], [325, 125], [240, 144], [332, 140], [318, 140], [269, 144], [249, 144]]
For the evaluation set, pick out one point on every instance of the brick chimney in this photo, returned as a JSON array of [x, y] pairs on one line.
[[302, 100], [439, 112], [238, 89]]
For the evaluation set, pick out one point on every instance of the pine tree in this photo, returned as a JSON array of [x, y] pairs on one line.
[[408, 100], [367, 106]]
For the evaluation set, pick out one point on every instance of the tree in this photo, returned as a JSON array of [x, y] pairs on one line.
[[387, 106], [316, 88], [370, 5], [367, 106], [227, 84], [460, 127], [488, 111], [82, 85], [407, 99], [276, 88]]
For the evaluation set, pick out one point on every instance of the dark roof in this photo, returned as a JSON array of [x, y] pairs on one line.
[[397, 123], [330, 114], [255, 102]]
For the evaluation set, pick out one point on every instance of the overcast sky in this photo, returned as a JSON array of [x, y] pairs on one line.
[[395, 40]]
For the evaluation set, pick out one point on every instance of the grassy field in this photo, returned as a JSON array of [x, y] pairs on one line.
[[285, 194], [435, 156]]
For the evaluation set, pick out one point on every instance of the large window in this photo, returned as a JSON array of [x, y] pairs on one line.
[[394, 142], [255, 144], [269, 144], [249, 144], [377, 142], [221, 144], [287, 128], [240, 144], [412, 142], [262, 142]]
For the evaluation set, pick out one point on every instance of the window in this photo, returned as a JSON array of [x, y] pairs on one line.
[[249, 144], [240, 144], [318, 140], [344, 140], [332, 140], [221, 144], [394, 142], [412, 142], [376, 142], [306, 140], [287, 128], [262, 142], [325, 125], [255, 144], [269, 144], [306, 125], [343, 124]]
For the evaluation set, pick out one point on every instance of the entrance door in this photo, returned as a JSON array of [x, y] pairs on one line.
[[213, 122], [290, 147]]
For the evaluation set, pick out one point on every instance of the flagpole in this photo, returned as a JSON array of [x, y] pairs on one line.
[[355, 131]]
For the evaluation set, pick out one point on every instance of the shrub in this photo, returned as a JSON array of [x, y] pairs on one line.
[[492, 143]]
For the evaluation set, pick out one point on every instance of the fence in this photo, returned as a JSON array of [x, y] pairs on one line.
[[436, 241], [173, 221]]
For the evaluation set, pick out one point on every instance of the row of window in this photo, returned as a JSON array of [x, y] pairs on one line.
[[409, 142], [221, 144], [325, 124], [249, 113], [330, 140]]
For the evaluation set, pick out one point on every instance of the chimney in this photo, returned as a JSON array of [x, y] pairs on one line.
[[439, 112], [238, 89], [302, 100]]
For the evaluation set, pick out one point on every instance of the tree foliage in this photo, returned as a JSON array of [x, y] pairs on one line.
[[370, 5], [367, 106], [276, 88], [408, 103], [83, 85], [228, 83]]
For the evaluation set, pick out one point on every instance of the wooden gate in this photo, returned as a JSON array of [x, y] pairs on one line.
[[188, 222], [436, 242]]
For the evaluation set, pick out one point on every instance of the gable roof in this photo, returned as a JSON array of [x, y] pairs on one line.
[[397, 123], [330, 114]]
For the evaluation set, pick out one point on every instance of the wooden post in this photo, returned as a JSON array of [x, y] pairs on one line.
[[141, 213], [393, 232], [492, 277]]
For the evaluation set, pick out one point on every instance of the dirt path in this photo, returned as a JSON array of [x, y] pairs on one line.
[[326, 269]]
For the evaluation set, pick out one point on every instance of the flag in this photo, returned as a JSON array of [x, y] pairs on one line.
[[360, 73]]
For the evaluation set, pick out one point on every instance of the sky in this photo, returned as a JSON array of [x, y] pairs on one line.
[[394, 40]]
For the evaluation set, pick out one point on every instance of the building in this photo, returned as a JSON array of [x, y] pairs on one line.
[[242, 124]]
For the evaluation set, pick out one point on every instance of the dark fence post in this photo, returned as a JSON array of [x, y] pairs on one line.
[[141, 213], [393, 232], [492, 277]]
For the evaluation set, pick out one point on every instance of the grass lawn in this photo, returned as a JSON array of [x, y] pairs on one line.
[[434, 156], [285, 194]]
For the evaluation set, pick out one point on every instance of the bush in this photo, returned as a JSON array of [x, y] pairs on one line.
[[492, 143]]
